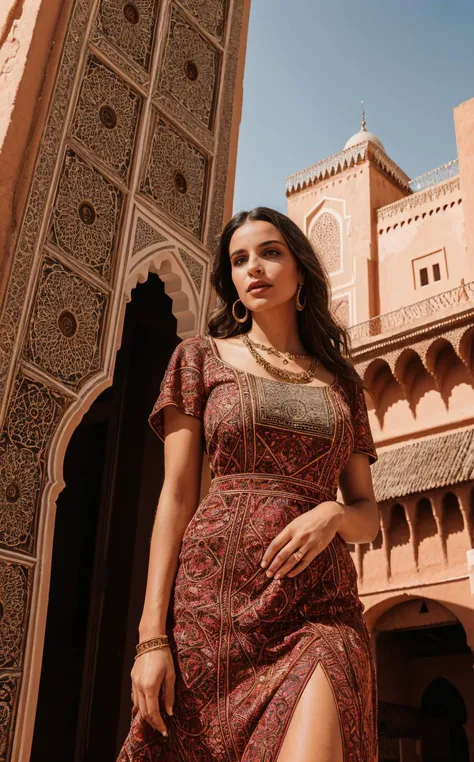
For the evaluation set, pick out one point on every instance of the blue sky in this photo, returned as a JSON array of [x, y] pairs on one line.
[[310, 63]]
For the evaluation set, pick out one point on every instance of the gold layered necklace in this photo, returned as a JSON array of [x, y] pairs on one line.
[[287, 375]]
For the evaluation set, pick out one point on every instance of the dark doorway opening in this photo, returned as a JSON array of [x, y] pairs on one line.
[[113, 471], [413, 656]]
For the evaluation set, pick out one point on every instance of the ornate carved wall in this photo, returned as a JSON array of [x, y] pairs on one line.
[[130, 177], [325, 235]]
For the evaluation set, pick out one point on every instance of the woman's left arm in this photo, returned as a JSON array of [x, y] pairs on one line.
[[357, 519]]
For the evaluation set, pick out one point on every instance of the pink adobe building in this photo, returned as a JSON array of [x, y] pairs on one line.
[[400, 255]]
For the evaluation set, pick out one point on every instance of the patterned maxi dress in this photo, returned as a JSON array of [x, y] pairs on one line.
[[245, 645]]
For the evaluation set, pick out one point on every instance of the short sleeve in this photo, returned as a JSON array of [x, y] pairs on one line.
[[182, 385], [363, 439]]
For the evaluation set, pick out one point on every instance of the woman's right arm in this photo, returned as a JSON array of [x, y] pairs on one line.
[[177, 503]]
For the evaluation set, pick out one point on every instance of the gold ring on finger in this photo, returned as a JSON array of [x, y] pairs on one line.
[[298, 555]]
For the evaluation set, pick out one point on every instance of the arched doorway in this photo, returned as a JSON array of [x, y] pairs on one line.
[[423, 658], [113, 472], [443, 717]]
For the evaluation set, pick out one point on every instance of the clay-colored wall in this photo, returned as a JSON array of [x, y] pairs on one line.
[[360, 191], [464, 126], [435, 225], [351, 187], [31, 36]]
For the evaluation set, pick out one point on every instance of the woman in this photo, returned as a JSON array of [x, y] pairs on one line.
[[268, 657]]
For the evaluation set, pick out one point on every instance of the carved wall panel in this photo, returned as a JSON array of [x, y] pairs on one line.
[[194, 268], [130, 27], [210, 14], [15, 584], [20, 480], [325, 235], [9, 684], [174, 176], [190, 69], [106, 116], [65, 326], [85, 215], [145, 235], [34, 412], [40, 187]]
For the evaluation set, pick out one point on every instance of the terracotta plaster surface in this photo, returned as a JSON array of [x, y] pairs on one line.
[[464, 126], [31, 33]]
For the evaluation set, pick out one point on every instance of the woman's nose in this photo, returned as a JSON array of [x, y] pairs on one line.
[[255, 267]]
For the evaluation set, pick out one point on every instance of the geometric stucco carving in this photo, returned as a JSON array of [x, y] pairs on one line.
[[211, 15], [106, 117], [190, 69], [20, 480], [34, 412], [65, 326], [9, 683], [129, 27], [174, 175], [145, 235], [15, 582], [194, 267], [325, 235], [85, 215]]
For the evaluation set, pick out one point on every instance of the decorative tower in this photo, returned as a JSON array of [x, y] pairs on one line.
[[335, 202]]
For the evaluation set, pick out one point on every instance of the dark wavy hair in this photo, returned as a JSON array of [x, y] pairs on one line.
[[320, 332]]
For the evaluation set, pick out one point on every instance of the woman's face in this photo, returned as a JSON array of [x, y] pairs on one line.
[[258, 252]]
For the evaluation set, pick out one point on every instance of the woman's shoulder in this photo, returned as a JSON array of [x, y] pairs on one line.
[[195, 343], [192, 350]]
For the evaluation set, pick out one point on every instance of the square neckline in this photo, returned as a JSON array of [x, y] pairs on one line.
[[213, 347]]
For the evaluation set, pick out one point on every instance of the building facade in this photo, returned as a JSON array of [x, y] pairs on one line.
[[118, 138], [400, 256]]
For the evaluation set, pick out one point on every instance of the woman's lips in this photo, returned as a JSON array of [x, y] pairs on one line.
[[258, 290]]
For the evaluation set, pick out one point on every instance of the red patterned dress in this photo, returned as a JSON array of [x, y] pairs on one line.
[[245, 645]]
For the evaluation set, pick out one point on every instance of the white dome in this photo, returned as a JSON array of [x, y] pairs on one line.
[[362, 137]]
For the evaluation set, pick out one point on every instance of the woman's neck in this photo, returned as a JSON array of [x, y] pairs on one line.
[[278, 329]]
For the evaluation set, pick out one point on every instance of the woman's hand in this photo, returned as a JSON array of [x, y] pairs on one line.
[[310, 533], [151, 671]]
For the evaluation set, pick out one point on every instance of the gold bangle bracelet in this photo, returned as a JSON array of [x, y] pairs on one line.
[[152, 642], [152, 648]]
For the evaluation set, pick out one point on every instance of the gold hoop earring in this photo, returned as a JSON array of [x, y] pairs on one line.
[[300, 306], [237, 319]]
